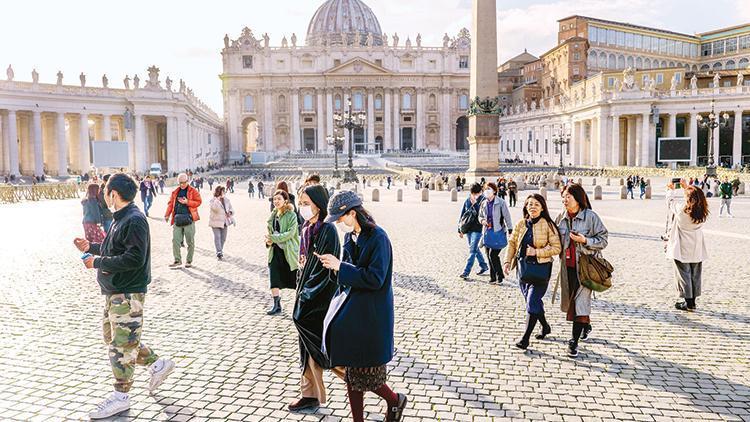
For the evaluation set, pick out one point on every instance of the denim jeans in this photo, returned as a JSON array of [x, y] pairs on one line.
[[474, 253]]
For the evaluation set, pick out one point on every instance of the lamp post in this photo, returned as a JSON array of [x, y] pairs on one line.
[[349, 121], [560, 139], [337, 141], [712, 122]]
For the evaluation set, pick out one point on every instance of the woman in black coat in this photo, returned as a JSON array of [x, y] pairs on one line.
[[315, 288], [358, 328]]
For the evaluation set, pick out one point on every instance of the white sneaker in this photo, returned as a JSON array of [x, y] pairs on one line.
[[110, 407], [158, 377]]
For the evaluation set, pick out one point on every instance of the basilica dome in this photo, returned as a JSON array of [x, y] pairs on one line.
[[347, 22]]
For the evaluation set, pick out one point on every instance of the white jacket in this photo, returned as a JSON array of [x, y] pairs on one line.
[[218, 217], [686, 242]]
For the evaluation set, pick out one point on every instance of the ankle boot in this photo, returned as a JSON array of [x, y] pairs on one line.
[[276, 308], [530, 324], [546, 329]]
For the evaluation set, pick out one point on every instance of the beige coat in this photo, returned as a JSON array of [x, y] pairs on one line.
[[546, 242], [686, 242], [218, 217]]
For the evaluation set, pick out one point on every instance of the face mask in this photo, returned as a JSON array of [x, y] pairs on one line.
[[111, 202], [345, 228], [306, 212], [488, 193]]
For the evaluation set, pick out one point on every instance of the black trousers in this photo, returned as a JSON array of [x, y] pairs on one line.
[[512, 198], [496, 267]]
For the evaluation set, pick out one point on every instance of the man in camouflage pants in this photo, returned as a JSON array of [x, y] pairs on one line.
[[123, 272]]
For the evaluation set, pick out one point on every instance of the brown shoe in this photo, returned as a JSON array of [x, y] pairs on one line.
[[188, 265], [394, 413], [175, 265], [304, 403]]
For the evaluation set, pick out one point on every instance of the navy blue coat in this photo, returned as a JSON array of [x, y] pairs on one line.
[[360, 331]]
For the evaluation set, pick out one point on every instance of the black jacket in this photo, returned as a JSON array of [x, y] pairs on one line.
[[316, 287], [124, 262]]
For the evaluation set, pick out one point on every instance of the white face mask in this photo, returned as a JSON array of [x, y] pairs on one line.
[[489, 193], [306, 212], [345, 228]]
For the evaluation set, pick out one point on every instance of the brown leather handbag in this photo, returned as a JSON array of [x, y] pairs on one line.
[[594, 272]]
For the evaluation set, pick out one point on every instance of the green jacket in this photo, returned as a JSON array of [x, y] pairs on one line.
[[725, 190], [287, 238]]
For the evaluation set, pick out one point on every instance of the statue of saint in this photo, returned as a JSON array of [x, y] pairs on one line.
[[34, 76], [344, 39], [395, 39], [408, 42], [717, 80], [673, 83], [370, 40], [168, 82], [182, 86], [357, 39], [105, 81], [59, 77], [136, 82], [9, 72], [126, 82], [419, 40], [385, 39], [266, 40], [446, 40], [284, 42], [82, 77], [226, 40], [294, 40], [694, 82], [740, 79]]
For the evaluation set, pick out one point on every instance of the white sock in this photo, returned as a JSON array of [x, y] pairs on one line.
[[120, 396]]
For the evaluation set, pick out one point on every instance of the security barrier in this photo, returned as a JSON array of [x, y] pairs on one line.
[[12, 194]]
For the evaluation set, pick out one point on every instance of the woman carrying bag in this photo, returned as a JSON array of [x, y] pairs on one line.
[[495, 218], [583, 238], [221, 217], [531, 248], [282, 242]]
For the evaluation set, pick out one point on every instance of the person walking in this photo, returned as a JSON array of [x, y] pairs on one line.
[[502, 188], [725, 192], [389, 180], [317, 286], [494, 216], [147, 194], [358, 327], [534, 242], [261, 192], [161, 184], [630, 188], [686, 245], [250, 189], [106, 213], [123, 264], [471, 228], [282, 242], [92, 215], [642, 184], [211, 182], [512, 192], [221, 217], [182, 214], [282, 185], [582, 233]]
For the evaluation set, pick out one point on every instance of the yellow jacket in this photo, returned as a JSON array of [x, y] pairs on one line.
[[546, 242]]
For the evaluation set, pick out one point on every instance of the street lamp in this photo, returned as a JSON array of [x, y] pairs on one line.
[[559, 140], [349, 121], [712, 122], [337, 141]]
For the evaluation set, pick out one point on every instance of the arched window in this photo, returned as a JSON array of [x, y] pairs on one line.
[[612, 62], [730, 65], [378, 102], [307, 102], [647, 63], [671, 64], [359, 101], [463, 102], [705, 68], [602, 60], [743, 63], [281, 106], [639, 63], [249, 103], [407, 101], [717, 66], [621, 62], [337, 102], [630, 62], [663, 64]]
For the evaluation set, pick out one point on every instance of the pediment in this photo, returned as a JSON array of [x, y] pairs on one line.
[[358, 66]]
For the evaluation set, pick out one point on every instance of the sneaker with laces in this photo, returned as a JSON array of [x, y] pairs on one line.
[[110, 407], [159, 371], [586, 331], [572, 349]]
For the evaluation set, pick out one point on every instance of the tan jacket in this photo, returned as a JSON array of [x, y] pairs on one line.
[[546, 242], [220, 217]]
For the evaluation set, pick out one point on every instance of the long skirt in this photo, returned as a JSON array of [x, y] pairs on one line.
[[282, 277], [366, 379]]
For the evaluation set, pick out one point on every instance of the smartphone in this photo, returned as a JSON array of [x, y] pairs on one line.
[[677, 183]]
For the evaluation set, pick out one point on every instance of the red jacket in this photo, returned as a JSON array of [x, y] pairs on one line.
[[193, 202]]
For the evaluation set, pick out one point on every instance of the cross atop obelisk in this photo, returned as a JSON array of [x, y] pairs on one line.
[[484, 118]]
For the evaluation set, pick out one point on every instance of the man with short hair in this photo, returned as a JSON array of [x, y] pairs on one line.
[[726, 192], [473, 231], [123, 265], [182, 213]]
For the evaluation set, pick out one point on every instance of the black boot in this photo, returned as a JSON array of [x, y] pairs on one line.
[[573, 343], [276, 309], [546, 329], [530, 324], [690, 303]]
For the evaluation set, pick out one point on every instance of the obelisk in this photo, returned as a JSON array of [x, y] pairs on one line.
[[484, 122]]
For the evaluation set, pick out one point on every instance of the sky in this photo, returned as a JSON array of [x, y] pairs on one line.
[[184, 38]]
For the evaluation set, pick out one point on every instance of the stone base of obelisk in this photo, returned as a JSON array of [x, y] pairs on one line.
[[484, 148]]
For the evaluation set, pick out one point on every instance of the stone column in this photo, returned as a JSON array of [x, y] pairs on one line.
[[647, 142], [183, 142], [172, 145], [421, 126], [62, 145], [387, 130], [268, 140], [484, 130], [12, 143], [396, 119], [370, 118], [141, 147], [107, 127], [672, 125], [693, 139], [716, 136], [329, 113], [632, 144], [603, 146], [38, 147], [84, 149], [616, 142], [446, 123], [737, 139], [581, 150], [296, 138], [321, 135]]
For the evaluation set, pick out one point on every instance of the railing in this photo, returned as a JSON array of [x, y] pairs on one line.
[[12, 194]]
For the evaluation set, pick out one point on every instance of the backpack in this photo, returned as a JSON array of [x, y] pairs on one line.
[[469, 221]]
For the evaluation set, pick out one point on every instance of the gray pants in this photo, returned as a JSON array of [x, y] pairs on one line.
[[220, 237], [688, 278], [728, 203]]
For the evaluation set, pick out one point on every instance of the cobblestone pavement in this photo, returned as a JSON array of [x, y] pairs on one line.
[[455, 355]]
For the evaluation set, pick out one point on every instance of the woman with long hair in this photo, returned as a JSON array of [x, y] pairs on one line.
[[358, 328], [495, 217], [315, 288], [534, 242], [686, 246], [92, 215], [282, 242], [221, 217], [582, 233]]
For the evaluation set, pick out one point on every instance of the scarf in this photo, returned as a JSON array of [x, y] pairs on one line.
[[309, 232]]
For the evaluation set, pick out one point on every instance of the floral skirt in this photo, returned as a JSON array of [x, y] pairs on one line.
[[94, 232], [366, 379]]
